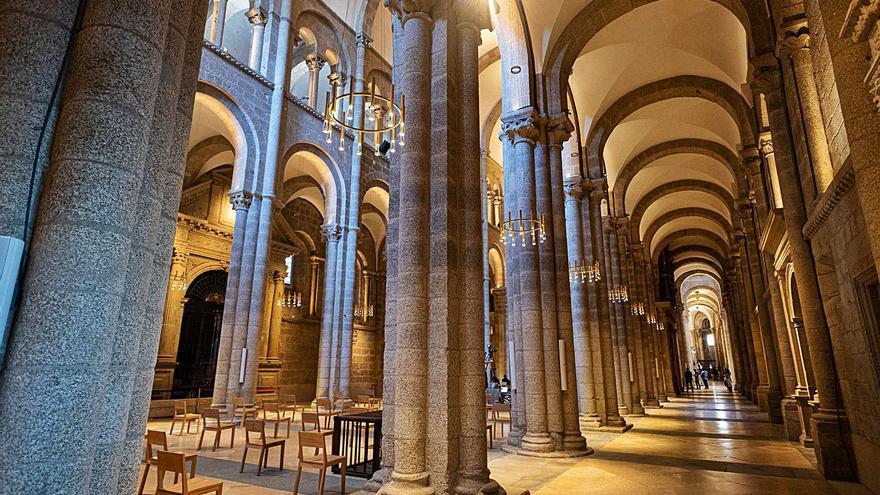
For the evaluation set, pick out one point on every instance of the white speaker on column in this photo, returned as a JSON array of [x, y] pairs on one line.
[[11, 249]]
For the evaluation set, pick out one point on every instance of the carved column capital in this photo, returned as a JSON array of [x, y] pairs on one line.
[[766, 147], [257, 16], [596, 188], [408, 9], [362, 40], [559, 129], [796, 37], [574, 190], [241, 201], [331, 232], [315, 63], [519, 127]]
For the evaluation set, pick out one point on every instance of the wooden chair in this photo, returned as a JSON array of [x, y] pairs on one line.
[[356, 410], [310, 418], [325, 409], [363, 400], [212, 421], [242, 409], [175, 462], [320, 461], [288, 403], [158, 439], [490, 430], [497, 411], [272, 413], [257, 429], [185, 417]]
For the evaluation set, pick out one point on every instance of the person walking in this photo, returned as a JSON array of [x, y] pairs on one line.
[[705, 375], [688, 379]]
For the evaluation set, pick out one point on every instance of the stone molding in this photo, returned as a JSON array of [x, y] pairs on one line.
[[225, 55], [843, 183], [521, 126], [241, 201], [408, 9], [257, 16], [861, 25], [331, 232], [315, 63], [197, 224]]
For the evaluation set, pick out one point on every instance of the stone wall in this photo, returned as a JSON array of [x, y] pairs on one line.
[[299, 358], [364, 360]]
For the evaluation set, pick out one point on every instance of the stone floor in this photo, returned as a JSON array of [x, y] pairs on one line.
[[709, 442]]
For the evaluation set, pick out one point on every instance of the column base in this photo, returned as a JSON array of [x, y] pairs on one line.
[[623, 410], [791, 419], [753, 393], [805, 413], [574, 441], [833, 445], [553, 454], [637, 410], [590, 422], [477, 487], [653, 402], [762, 392], [537, 442], [407, 484]]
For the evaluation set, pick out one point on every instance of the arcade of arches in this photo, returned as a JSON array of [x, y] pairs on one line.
[[177, 229]]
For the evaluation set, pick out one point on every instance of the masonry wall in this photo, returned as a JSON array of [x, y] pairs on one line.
[[299, 358]]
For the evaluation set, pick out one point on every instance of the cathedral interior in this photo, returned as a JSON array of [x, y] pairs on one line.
[[454, 246]]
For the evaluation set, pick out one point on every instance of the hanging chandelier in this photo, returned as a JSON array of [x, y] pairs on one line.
[[637, 309], [581, 271], [618, 295], [292, 299], [383, 117], [522, 227], [364, 311], [651, 319], [660, 327]]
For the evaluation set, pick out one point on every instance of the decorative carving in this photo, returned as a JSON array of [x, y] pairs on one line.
[[521, 127], [257, 16], [597, 188], [225, 55], [406, 9], [364, 41], [315, 63], [766, 147], [559, 129], [331, 232], [843, 183], [241, 201], [574, 190], [795, 41]]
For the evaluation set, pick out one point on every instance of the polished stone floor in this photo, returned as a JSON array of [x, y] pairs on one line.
[[710, 442]]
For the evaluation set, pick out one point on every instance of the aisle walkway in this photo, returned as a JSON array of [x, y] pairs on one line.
[[709, 443]]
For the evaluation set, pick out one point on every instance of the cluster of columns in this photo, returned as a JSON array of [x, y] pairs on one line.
[[101, 267], [434, 329]]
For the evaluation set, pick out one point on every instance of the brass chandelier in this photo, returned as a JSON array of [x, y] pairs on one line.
[[291, 299], [383, 117], [581, 272], [522, 227], [618, 295], [637, 309]]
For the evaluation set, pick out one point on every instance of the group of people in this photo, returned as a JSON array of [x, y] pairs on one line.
[[700, 377]]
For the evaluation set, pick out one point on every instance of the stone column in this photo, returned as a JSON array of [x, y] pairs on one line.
[[611, 419], [547, 274], [315, 64], [830, 425], [351, 227], [644, 348], [500, 297], [241, 202], [218, 22], [263, 215], [413, 164], [315, 264], [559, 130], [26, 96], [331, 233], [630, 403], [82, 257], [273, 335], [789, 378], [522, 132], [796, 45], [172, 317], [580, 305], [633, 326], [771, 361], [258, 17]]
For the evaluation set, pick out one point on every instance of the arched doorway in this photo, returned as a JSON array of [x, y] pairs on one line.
[[200, 336]]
